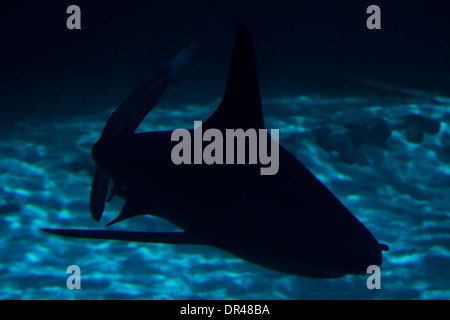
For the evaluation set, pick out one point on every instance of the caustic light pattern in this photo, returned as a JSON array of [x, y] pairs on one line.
[[386, 159]]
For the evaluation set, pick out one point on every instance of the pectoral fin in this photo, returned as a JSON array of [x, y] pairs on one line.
[[150, 237]]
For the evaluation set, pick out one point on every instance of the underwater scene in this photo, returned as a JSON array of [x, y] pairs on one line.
[[376, 134]]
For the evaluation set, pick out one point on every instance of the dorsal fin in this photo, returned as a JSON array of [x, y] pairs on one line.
[[241, 103]]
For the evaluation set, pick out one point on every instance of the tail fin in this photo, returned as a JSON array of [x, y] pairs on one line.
[[97, 197], [131, 112], [177, 65]]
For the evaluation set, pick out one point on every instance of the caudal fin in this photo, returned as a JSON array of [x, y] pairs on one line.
[[177, 65], [130, 113], [97, 197]]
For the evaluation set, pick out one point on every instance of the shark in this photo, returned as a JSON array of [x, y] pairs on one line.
[[288, 222]]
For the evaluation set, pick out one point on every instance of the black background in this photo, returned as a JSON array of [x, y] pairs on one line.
[[301, 46]]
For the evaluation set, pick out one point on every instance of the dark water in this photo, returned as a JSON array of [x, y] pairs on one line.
[[320, 70]]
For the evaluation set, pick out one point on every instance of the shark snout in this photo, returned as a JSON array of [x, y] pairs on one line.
[[358, 259]]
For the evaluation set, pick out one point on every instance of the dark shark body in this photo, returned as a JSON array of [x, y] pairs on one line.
[[289, 222]]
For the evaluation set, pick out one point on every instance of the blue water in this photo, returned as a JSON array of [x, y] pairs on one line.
[[399, 192]]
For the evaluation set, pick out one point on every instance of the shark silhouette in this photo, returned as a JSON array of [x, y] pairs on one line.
[[289, 221]]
